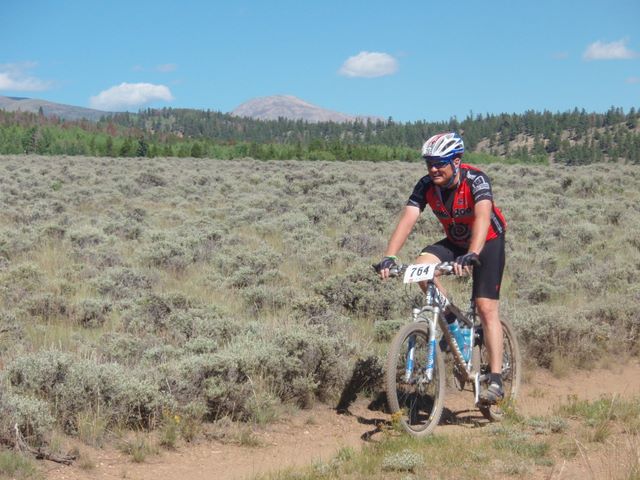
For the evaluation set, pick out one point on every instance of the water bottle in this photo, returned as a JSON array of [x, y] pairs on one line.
[[466, 347], [456, 331]]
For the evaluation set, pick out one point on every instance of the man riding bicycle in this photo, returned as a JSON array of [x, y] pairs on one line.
[[460, 196]]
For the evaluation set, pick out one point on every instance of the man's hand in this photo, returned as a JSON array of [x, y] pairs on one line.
[[385, 264], [462, 265]]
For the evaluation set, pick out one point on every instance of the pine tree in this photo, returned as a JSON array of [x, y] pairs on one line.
[[143, 148]]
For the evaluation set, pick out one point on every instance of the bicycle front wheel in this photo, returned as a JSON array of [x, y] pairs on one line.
[[416, 401], [511, 371]]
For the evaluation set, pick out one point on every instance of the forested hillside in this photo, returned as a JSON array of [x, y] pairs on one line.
[[575, 137]]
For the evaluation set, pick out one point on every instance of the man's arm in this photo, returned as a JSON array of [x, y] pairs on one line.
[[408, 219], [481, 222]]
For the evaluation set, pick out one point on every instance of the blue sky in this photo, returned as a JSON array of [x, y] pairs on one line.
[[410, 60]]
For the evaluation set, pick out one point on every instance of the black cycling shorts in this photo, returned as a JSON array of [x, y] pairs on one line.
[[488, 276]]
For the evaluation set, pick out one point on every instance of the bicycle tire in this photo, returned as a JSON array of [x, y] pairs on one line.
[[419, 405], [511, 372]]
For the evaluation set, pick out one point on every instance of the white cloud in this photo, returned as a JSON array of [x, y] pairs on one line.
[[609, 51], [369, 65], [167, 67], [14, 76], [129, 95]]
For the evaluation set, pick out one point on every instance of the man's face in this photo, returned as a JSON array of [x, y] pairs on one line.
[[441, 172]]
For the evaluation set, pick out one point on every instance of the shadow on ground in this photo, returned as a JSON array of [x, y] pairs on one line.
[[367, 377]]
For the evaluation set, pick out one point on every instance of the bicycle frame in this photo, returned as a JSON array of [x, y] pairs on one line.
[[431, 312]]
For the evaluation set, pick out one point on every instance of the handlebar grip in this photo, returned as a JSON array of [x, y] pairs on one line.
[[475, 262], [393, 271], [446, 268]]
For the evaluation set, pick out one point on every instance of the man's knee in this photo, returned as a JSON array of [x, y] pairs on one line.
[[487, 309], [427, 258]]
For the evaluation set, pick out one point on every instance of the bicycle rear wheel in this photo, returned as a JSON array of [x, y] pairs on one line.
[[417, 401], [511, 371]]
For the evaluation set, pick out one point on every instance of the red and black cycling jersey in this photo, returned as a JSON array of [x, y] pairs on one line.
[[455, 207]]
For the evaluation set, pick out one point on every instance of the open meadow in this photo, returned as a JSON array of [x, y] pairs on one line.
[[166, 294]]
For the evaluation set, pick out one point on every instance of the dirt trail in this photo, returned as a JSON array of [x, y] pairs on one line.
[[319, 433]]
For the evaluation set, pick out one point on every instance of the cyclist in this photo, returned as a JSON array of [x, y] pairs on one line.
[[460, 196]]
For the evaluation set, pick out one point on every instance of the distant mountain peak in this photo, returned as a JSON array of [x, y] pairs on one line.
[[49, 109], [292, 108]]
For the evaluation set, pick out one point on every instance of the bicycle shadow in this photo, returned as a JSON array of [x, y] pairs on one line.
[[367, 377], [378, 404], [470, 418]]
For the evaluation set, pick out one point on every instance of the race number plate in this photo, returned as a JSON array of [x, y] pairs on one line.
[[419, 273]]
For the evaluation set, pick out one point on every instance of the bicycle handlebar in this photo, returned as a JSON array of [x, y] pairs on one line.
[[444, 268]]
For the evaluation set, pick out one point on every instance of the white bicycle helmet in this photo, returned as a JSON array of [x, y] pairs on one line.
[[443, 146]]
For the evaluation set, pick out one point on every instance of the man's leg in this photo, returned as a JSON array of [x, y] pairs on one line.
[[493, 340], [442, 251]]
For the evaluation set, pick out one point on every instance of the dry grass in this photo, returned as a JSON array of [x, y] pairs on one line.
[[161, 291]]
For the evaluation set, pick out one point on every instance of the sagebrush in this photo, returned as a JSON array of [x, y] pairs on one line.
[[211, 289]]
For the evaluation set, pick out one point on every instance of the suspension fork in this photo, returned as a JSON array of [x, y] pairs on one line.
[[410, 359], [431, 351], [431, 297], [431, 347], [411, 354]]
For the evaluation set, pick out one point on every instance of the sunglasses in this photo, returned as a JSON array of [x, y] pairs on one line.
[[437, 164]]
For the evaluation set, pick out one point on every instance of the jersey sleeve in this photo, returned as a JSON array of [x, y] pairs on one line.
[[480, 186], [418, 197]]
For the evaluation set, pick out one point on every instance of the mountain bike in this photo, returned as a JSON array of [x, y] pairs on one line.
[[415, 367]]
